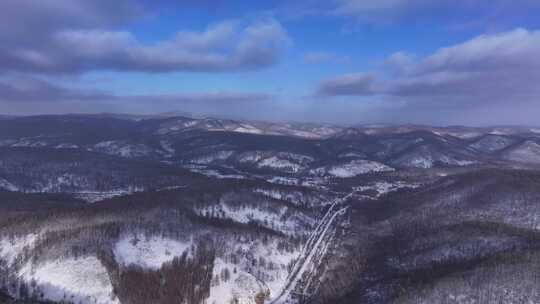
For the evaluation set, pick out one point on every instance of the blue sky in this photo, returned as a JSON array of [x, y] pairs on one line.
[[365, 45], [341, 61]]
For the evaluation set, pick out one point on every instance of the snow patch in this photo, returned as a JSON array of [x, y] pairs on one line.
[[241, 287], [247, 129], [84, 280], [210, 158], [456, 162], [11, 248], [214, 173], [97, 196], [354, 168], [277, 219], [424, 162], [277, 163], [280, 180], [382, 188], [148, 252], [528, 152], [492, 143], [66, 146], [6, 185], [28, 143], [167, 147]]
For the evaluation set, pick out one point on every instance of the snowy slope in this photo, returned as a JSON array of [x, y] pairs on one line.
[[527, 152], [492, 143], [426, 156], [6, 185]]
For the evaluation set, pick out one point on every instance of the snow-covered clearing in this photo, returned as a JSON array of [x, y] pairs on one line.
[[385, 187], [213, 157], [277, 218], [240, 287], [278, 163], [149, 252], [353, 168], [84, 280], [215, 174], [245, 280], [96, 196]]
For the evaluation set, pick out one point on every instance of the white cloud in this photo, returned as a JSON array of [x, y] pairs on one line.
[[484, 70], [226, 46]]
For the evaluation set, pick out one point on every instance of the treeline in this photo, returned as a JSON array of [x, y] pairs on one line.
[[70, 170]]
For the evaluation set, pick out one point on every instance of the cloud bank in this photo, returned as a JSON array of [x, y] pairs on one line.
[[488, 69], [77, 36]]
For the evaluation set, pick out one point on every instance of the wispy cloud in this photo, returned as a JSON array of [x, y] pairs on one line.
[[348, 85], [453, 14]]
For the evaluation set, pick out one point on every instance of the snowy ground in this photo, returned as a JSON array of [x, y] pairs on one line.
[[280, 164], [84, 280], [428, 160], [352, 168], [240, 288], [280, 180], [212, 157], [382, 188], [148, 252], [11, 248], [6, 185], [96, 196], [168, 148], [214, 173], [528, 152], [279, 161], [277, 219], [492, 143], [246, 280]]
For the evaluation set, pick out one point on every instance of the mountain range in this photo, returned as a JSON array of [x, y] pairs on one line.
[[174, 209]]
